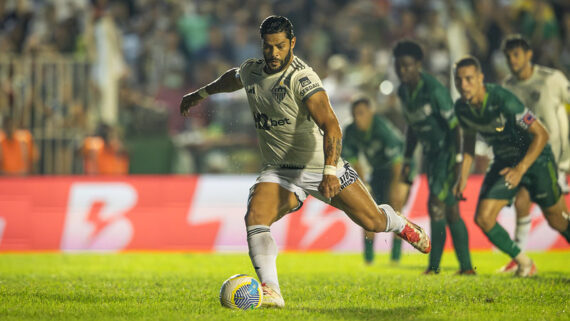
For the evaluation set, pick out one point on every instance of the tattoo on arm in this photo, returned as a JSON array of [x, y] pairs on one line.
[[333, 147]]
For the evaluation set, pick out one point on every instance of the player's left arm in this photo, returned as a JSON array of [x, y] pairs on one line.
[[540, 137], [321, 112], [444, 104]]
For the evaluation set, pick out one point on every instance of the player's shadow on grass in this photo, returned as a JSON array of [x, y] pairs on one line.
[[355, 313]]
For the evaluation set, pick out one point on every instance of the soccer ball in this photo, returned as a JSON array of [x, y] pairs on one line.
[[241, 291]]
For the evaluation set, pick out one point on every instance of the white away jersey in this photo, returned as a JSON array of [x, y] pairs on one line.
[[545, 93], [288, 137]]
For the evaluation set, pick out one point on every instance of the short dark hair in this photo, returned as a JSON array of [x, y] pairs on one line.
[[515, 41], [408, 47], [360, 100], [276, 24], [466, 61]]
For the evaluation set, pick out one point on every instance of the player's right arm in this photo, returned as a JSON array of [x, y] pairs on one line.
[[228, 82], [410, 147], [469, 138]]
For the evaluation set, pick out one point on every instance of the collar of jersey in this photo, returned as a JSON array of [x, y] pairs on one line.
[[417, 90], [368, 133], [283, 72], [479, 111]]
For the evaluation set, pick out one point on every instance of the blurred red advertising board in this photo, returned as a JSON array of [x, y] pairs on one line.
[[197, 213]]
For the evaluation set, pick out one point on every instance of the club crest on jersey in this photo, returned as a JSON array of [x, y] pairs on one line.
[[500, 123], [279, 93], [305, 81], [535, 96]]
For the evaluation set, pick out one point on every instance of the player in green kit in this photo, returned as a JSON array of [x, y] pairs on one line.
[[382, 145], [522, 158], [428, 110]]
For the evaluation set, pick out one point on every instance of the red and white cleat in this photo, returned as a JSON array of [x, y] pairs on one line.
[[416, 236], [271, 297], [512, 266], [526, 271]]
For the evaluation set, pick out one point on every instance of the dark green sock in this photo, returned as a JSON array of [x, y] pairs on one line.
[[438, 235], [501, 239], [460, 239], [368, 250], [396, 252], [566, 233]]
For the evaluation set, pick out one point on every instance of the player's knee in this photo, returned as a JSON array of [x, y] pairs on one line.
[[374, 222], [436, 209], [555, 220], [452, 214], [483, 222], [522, 207], [255, 217]]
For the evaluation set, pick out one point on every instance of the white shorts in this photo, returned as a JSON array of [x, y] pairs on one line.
[[302, 182]]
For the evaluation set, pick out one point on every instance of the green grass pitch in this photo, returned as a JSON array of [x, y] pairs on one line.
[[316, 286]]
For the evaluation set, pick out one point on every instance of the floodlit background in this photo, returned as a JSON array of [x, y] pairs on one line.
[[73, 71]]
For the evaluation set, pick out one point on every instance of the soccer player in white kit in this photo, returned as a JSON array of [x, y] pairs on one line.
[[544, 91], [300, 143]]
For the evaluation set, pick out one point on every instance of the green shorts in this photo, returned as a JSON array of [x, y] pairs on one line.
[[440, 170], [540, 180]]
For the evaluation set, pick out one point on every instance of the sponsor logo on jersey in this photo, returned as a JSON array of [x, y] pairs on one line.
[[305, 81], [250, 89], [308, 88], [262, 121], [535, 95], [279, 93]]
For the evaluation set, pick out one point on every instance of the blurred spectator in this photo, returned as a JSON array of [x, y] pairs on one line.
[[104, 153], [150, 48], [108, 62], [18, 153]]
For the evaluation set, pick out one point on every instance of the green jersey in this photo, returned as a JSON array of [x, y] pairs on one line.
[[382, 144], [428, 110], [502, 121]]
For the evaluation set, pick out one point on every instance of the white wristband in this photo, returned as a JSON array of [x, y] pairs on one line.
[[458, 158], [203, 93], [329, 170]]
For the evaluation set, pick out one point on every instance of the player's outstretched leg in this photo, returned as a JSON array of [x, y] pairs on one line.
[[411, 233], [358, 204]]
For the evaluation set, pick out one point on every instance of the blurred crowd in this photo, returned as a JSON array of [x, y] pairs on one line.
[[141, 56]]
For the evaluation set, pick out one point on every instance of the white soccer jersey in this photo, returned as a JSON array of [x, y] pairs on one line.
[[288, 137], [545, 93]]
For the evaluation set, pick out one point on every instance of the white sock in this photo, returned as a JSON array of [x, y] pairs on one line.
[[521, 258], [521, 231], [394, 222], [263, 254]]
